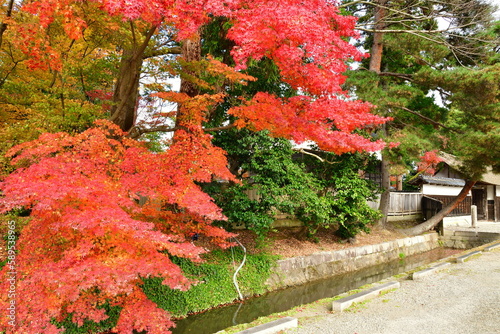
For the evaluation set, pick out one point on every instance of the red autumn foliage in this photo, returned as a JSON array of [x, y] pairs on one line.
[[327, 122], [428, 162], [89, 240], [307, 40]]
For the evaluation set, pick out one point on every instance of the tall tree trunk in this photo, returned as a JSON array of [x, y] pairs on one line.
[[378, 37], [191, 52], [126, 94], [432, 222], [376, 66]]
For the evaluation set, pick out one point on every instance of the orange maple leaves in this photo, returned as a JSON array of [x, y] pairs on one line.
[[429, 162]]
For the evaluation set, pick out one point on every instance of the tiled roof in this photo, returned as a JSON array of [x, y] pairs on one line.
[[444, 181]]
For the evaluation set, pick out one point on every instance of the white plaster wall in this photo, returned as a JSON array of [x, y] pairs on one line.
[[490, 192], [432, 189], [498, 191]]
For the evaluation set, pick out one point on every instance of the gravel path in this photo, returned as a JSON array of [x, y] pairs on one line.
[[461, 299]]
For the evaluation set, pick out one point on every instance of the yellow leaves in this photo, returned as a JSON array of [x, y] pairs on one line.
[[209, 73]]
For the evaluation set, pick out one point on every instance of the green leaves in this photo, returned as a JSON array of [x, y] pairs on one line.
[[474, 115]]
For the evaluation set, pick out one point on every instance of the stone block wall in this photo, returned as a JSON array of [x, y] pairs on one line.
[[302, 269], [467, 239]]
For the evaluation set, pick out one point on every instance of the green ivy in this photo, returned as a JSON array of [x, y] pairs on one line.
[[215, 282]]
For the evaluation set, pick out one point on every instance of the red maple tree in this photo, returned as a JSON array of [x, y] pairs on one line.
[[89, 241]]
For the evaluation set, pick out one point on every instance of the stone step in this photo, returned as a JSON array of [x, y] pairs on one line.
[[342, 304]]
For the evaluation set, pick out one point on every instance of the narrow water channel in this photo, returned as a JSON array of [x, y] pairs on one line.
[[217, 319]]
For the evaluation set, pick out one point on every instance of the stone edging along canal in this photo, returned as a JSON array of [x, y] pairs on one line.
[[303, 269]]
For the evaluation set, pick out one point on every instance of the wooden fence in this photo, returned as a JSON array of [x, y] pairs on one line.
[[411, 203], [405, 203], [462, 209]]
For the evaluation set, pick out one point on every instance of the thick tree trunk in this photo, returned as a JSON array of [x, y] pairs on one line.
[[124, 108], [375, 66], [126, 94], [378, 43], [191, 52], [431, 223]]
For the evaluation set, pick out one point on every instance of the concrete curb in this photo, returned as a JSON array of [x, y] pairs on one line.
[[342, 304], [490, 248], [461, 259], [428, 271], [272, 327]]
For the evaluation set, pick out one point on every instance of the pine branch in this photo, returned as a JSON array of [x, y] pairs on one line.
[[428, 119]]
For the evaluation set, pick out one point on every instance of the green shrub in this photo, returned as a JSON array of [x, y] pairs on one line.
[[90, 326]]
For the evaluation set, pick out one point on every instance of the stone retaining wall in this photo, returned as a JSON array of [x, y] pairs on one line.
[[302, 269], [467, 239]]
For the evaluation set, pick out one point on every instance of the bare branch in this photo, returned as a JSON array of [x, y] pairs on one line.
[[302, 150], [138, 131], [220, 128], [408, 77], [402, 31], [132, 29]]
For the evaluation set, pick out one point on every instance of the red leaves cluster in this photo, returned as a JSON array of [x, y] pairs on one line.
[[428, 162], [304, 38], [84, 193], [302, 118]]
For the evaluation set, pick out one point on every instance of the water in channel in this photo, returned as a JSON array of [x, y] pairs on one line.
[[214, 320]]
